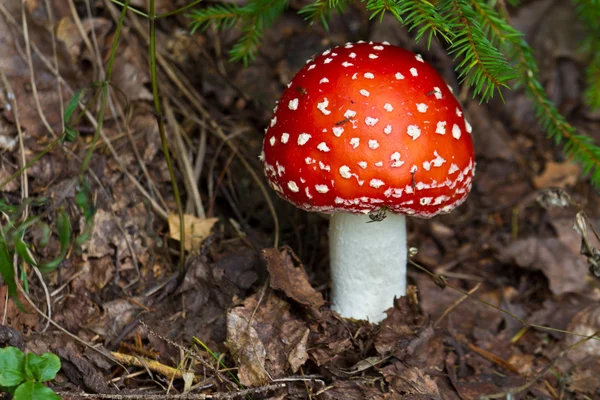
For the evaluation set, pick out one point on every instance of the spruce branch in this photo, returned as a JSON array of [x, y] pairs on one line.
[[589, 13], [482, 65], [254, 17], [320, 11]]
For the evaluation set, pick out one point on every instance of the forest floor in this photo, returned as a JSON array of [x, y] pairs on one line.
[[512, 318]]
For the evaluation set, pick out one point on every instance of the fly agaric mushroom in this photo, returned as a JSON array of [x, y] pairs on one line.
[[364, 129]]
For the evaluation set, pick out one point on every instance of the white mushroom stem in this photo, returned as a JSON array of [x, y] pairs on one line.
[[368, 264]]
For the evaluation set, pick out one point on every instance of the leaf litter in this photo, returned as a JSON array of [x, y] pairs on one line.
[[262, 313]]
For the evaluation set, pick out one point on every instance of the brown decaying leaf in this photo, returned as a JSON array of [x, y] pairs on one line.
[[196, 229], [560, 175], [566, 272], [265, 339], [291, 279], [410, 381]]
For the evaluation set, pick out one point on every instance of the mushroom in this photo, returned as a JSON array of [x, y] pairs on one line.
[[369, 132]]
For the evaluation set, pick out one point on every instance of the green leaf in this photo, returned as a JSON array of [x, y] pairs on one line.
[[72, 106], [6, 268], [70, 134], [63, 225], [35, 391], [12, 363], [41, 368], [84, 200]]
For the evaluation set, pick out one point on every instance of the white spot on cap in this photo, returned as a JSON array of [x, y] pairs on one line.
[[379, 164], [293, 104], [312, 66], [468, 126], [419, 58], [349, 114], [395, 157], [364, 92], [303, 138], [422, 107], [399, 75], [455, 131], [414, 72], [347, 64], [371, 121], [413, 169], [438, 160], [453, 168], [327, 60], [413, 131], [273, 121], [293, 187], [425, 201], [388, 107], [322, 188], [324, 80], [309, 160], [426, 165], [307, 193], [437, 92], [338, 130], [373, 144], [373, 56], [376, 183], [261, 156], [355, 75], [362, 164], [352, 55], [385, 42], [458, 112], [348, 45], [441, 128], [285, 137], [272, 140], [324, 167], [388, 129], [377, 47], [354, 142], [323, 147], [345, 172], [326, 52], [369, 75], [323, 106], [450, 88], [281, 170]]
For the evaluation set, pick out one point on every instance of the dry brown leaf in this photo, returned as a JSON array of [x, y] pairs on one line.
[[557, 175], [265, 339], [565, 271], [410, 381], [247, 350], [196, 229], [291, 279]]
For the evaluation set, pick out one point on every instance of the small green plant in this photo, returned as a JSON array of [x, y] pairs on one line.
[[23, 375]]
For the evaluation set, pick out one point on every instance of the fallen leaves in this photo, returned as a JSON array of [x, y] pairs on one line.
[[566, 273], [265, 339], [196, 229], [291, 279]]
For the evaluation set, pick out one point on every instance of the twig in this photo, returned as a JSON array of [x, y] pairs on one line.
[[456, 304], [153, 365], [186, 396], [185, 165], [161, 128]]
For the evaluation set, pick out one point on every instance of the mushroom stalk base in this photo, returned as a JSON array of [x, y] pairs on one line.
[[368, 264]]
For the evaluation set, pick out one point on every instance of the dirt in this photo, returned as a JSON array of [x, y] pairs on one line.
[[513, 313]]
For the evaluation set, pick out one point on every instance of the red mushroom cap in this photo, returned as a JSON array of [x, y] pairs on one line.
[[366, 126]]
